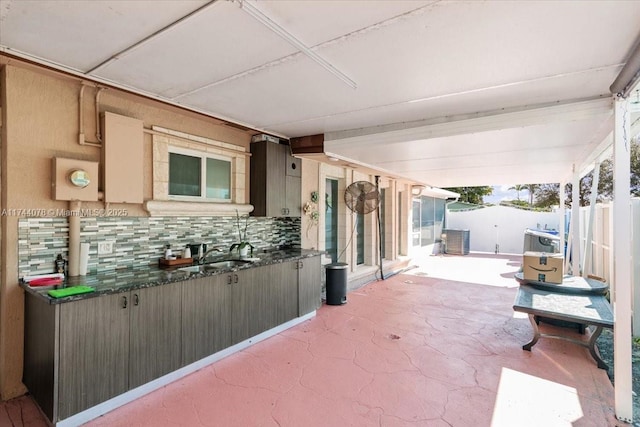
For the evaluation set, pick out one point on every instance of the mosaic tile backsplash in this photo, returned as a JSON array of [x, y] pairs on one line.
[[140, 241]]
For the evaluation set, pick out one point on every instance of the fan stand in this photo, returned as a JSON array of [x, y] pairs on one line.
[[363, 197]]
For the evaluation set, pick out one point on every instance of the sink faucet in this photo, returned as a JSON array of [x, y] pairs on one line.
[[204, 256]]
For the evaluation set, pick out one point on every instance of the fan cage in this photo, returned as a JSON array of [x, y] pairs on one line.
[[362, 197]]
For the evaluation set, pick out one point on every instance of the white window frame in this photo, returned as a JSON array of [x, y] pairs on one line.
[[203, 155]]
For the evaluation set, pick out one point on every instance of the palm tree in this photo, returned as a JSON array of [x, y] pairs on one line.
[[532, 189], [518, 189]]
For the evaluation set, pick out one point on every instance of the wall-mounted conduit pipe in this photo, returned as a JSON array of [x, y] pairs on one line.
[[74, 238], [81, 137]]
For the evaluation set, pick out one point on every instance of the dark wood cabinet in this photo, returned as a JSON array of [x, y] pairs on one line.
[[154, 350], [246, 302], [285, 292], [263, 298], [81, 353], [206, 317], [107, 345], [309, 285], [94, 352], [275, 180]]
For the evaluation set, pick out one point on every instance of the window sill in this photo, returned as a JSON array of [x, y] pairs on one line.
[[175, 208]]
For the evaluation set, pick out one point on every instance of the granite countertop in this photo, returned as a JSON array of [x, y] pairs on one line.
[[123, 280]]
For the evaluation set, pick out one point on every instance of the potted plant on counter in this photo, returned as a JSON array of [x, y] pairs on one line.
[[244, 248]]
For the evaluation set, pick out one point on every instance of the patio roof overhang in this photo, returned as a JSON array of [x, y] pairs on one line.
[[468, 93], [465, 93]]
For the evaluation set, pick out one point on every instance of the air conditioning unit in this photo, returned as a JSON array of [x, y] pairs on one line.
[[456, 241]]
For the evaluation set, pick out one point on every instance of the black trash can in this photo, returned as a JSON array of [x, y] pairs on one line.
[[336, 283]]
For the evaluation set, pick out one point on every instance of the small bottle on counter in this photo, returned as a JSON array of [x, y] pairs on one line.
[[167, 253], [187, 252], [60, 264]]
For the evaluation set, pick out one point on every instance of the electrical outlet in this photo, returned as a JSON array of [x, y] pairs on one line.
[[105, 248]]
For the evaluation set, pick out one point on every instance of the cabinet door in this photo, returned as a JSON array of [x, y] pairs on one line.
[[293, 197], [154, 333], [283, 292], [94, 349], [276, 184], [253, 310], [310, 283], [206, 317], [292, 165], [244, 304], [267, 174], [293, 172]]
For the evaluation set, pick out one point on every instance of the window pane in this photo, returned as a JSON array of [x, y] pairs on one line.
[[415, 223], [184, 175], [440, 208], [427, 221], [218, 179]]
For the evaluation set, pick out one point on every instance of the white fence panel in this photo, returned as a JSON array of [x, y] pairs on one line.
[[499, 228]]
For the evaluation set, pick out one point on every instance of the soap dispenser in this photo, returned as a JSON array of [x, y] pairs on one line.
[[187, 252], [167, 253]]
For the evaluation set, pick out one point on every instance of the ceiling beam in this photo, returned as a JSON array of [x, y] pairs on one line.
[[465, 124], [256, 14]]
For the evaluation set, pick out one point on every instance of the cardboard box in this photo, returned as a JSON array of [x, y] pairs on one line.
[[543, 267]]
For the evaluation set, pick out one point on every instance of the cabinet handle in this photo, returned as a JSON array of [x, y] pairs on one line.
[[124, 302], [136, 299], [235, 278], [229, 280], [300, 265]]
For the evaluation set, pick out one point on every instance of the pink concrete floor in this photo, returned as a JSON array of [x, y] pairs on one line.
[[413, 350]]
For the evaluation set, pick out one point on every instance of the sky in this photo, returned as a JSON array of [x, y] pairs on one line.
[[502, 192]]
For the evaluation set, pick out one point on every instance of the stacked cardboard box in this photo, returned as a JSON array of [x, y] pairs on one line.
[[543, 267]]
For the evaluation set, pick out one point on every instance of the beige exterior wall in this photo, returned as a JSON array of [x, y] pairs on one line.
[[40, 120], [310, 183], [314, 176]]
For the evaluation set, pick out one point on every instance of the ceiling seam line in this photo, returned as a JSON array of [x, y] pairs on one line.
[[151, 36], [475, 154], [286, 58], [283, 33]]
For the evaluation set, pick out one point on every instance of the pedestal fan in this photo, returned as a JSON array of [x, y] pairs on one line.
[[363, 197]]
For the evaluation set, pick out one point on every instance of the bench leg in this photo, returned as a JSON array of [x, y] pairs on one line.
[[591, 344], [536, 333], [592, 348]]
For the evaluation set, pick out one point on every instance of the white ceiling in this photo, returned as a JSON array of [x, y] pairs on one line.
[[447, 93]]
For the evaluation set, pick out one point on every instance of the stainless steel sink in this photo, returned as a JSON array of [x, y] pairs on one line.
[[219, 265], [191, 269], [226, 264]]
